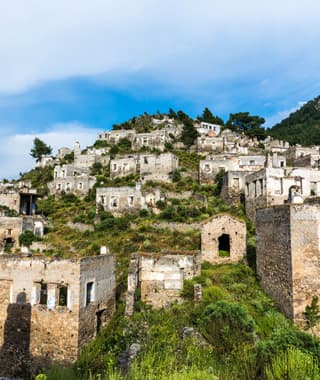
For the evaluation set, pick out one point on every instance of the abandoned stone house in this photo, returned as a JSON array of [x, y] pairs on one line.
[[114, 136], [153, 140], [204, 128], [275, 146], [69, 178], [51, 308], [223, 239], [45, 161], [309, 161], [298, 151], [119, 200], [90, 157], [273, 186], [62, 152], [288, 242], [12, 227], [20, 199], [148, 166], [160, 277], [209, 168], [234, 181]]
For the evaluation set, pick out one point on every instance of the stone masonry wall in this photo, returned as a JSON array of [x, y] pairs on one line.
[[305, 242], [213, 229], [274, 263]]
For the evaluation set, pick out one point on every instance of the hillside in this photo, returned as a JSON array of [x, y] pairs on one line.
[[300, 127], [234, 331]]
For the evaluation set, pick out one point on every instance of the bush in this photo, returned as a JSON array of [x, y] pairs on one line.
[[26, 238], [227, 326]]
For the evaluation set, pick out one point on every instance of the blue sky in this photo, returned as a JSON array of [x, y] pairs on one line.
[[69, 69]]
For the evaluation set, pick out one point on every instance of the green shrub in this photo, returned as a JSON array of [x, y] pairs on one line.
[[227, 326], [26, 238]]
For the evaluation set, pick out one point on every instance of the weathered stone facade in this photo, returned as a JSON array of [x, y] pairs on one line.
[[124, 199], [204, 128], [12, 227], [153, 140], [160, 277], [288, 254], [21, 199], [223, 239], [209, 168], [271, 186], [150, 167], [113, 137], [71, 179], [90, 157], [49, 309]]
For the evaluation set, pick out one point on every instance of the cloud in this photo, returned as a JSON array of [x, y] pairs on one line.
[[183, 42], [15, 152], [276, 118]]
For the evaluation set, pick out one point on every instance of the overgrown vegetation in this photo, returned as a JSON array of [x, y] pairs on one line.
[[301, 126], [244, 337]]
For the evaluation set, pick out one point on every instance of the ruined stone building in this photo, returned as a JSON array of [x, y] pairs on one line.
[[114, 136], [298, 151], [71, 179], [288, 242], [205, 128], [159, 277], [12, 227], [18, 197], [90, 157], [209, 168], [148, 166], [119, 200], [51, 308], [45, 161], [234, 181], [153, 140], [309, 161], [223, 239], [62, 152], [275, 146], [273, 186]]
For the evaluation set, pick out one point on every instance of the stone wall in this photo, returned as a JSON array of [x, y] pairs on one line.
[[160, 277], [51, 325], [274, 264], [217, 234]]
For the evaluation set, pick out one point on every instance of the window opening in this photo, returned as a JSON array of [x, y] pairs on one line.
[[63, 295], [89, 293], [43, 293]]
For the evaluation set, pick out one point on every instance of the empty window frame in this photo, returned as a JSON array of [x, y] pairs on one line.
[[43, 293], [90, 293], [62, 295]]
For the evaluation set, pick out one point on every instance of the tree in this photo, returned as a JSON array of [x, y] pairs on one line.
[[249, 124], [189, 132], [208, 117], [40, 149]]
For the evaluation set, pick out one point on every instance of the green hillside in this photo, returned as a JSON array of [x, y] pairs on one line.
[[302, 126]]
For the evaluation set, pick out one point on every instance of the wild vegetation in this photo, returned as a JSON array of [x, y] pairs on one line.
[[302, 126]]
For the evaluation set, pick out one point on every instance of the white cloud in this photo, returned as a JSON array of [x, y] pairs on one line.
[[276, 118], [47, 40], [15, 151]]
